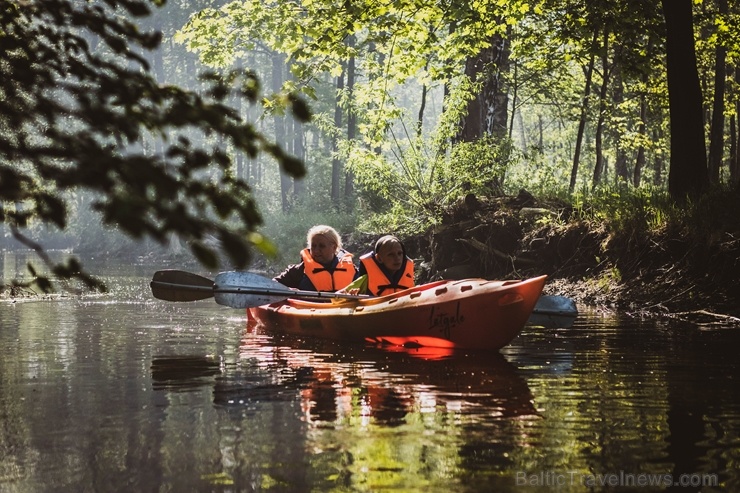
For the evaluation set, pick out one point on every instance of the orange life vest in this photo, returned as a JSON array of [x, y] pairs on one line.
[[379, 284], [322, 278]]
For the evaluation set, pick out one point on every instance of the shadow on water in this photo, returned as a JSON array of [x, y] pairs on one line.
[[659, 397], [183, 372], [702, 389]]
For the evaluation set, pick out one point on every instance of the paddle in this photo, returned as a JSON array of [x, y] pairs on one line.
[[244, 289], [234, 289], [178, 285]]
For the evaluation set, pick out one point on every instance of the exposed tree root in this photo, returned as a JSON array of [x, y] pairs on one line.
[[705, 318]]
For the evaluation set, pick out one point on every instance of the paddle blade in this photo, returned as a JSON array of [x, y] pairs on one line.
[[560, 305], [554, 312], [245, 290], [177, 285]]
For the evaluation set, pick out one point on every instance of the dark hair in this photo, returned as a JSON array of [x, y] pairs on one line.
[[386, 240]]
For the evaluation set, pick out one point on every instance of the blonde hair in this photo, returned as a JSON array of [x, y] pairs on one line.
[[324, 230]]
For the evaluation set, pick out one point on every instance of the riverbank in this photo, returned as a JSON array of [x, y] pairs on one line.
[[665, 272]]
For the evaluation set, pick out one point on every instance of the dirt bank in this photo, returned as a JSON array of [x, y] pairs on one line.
[[655, 274]]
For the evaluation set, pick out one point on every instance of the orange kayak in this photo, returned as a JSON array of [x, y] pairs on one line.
[[468, 314]]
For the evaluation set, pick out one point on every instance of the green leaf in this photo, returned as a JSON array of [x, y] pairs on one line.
[[360, 283], [263, 244], [206, 256], [236, 248]]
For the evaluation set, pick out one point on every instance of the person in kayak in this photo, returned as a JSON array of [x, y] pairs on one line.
[[383, 271], [324, 266]]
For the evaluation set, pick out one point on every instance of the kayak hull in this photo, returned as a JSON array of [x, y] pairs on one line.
[[467, 314]]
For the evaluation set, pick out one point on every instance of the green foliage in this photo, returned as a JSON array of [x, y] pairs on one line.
[[418, 186], [394, 45], [539, 175], [713, 214], [630, 211], [77, 102], [607, 279], [621, 208], [402, 46]]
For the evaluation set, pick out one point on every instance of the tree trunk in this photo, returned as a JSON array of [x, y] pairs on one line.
[[514, 95], [488, 112], [658, 161], [299, 151], [158, 68], [733, 152], [621, 170], [541, 141], [584, 113], [687, 176], [336, 164], [251, 168], [735, 136], [599, 166], [236, 103], [349, 179], [422, 107], [522, 130], [286, 182], [642, 131], [717, 130]]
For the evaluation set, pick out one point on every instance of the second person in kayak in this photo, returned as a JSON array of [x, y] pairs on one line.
[[387, 269], [324, 266]]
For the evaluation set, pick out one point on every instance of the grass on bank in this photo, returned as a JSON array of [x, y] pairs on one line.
[[627, 211]]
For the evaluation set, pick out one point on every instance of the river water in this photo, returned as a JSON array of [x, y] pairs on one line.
[[123, 392]]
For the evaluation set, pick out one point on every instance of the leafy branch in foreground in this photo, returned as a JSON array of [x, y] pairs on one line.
[[76, 103]]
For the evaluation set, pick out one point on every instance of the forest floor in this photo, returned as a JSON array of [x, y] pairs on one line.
[[664, 273]]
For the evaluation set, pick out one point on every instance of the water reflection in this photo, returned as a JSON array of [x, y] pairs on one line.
[[338, 383], [348, 415]]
